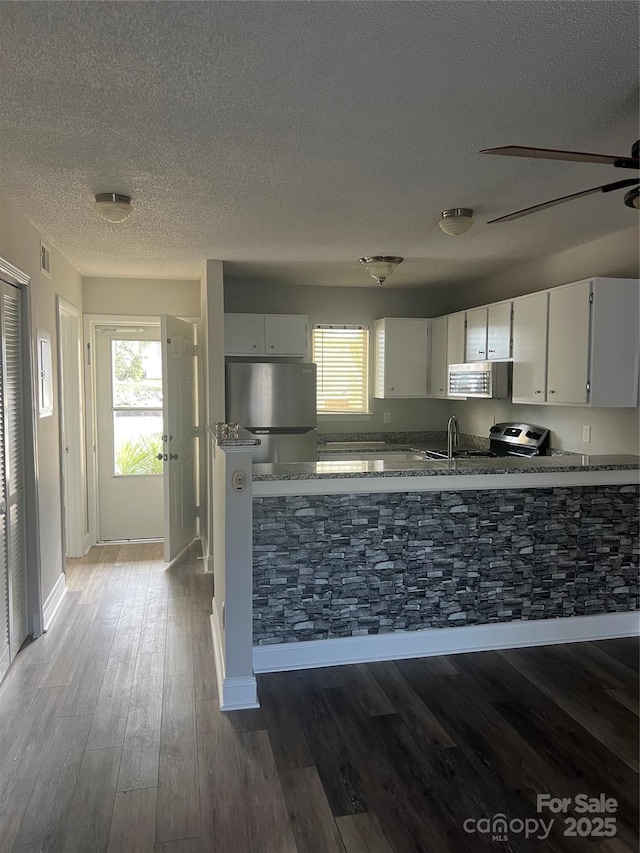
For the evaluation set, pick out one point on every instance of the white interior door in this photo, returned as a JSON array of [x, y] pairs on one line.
[[178, 371], [129, 428]]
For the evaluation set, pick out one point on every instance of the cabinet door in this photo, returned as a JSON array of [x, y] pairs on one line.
[[530, 348], [499, 330], [286, 334], [476, 335], [455, 338], [244, 334], [405, 357], [568, 360], [438, 371]]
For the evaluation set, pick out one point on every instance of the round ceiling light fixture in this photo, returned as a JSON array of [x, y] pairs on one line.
[[632, 198], [456, 221], [380, 267], [113, 207]]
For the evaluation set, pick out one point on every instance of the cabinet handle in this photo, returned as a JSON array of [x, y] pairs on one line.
[[255, 346], [491, 350], [273, 346], [538, 392], [551, 392]]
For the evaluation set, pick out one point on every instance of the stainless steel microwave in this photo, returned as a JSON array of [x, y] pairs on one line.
[[480, 379]]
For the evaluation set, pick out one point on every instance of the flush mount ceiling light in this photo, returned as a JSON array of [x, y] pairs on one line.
[[113, 207], [632, 198], [380, 267], [456, 221]]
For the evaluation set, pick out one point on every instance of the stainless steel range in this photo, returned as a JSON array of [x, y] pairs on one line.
[[512, 439]]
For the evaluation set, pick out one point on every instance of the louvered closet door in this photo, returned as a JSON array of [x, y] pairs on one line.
[[4, 581], [13, 394]]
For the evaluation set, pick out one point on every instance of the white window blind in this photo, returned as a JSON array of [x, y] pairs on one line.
[[341, 354]]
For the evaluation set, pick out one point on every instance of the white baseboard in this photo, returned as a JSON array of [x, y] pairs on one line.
[[234, 694], [53, 602], [443, 641]]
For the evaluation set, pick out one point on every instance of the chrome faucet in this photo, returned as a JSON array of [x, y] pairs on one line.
[[453, 435]]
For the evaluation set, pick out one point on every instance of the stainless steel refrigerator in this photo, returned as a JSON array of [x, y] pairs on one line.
[[276, 402]]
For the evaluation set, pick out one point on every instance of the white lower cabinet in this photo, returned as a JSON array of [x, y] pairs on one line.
[[401, 357]]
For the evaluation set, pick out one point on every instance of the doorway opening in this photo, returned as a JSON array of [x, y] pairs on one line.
[[141, 392]]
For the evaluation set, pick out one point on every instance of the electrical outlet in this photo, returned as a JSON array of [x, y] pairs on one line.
[[586, 434], [387, 417], [492, 420]]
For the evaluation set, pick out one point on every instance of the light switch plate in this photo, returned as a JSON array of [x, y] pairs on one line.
[[586, 434], [387, 417]]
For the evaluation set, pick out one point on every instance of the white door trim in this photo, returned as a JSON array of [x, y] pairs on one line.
[[72, 451], [20, 279]]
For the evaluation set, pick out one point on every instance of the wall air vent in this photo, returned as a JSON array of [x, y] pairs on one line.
[[45, 259]]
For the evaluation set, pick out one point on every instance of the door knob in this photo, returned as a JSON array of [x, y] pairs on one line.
[[162, 456], [173, 456]]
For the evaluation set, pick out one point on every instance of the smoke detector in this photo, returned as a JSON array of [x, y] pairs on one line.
[[113, 207]]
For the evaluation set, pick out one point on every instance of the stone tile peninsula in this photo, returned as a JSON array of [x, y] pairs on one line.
[[366, 560]]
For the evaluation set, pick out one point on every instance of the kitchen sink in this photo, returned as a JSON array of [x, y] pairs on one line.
[[460, 454], [371, 455]]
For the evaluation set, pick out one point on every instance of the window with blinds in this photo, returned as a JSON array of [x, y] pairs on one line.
[[341, 354]]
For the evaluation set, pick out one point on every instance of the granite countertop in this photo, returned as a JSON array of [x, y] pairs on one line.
[[345, 468]]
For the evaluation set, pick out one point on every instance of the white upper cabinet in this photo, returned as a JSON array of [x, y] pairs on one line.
[[401, 356], [530, 314], [489, 332], [439, 364], [568, 345], [476, 349], [578, 344], [447, 347], [456, 338], [266, 334], [499, 330], [244, 334], [286, 334]]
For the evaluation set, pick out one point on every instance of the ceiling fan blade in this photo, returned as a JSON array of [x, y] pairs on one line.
[[556, 154], [606, 188]]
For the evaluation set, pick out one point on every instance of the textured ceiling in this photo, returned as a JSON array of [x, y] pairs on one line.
[[291, 138]]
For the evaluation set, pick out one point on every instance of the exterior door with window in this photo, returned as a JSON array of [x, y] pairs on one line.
[[129, 433]]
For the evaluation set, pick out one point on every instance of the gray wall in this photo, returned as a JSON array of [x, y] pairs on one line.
[[350, 305], [612, 430]]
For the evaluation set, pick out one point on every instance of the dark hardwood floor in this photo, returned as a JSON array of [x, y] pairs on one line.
[[111, 738]]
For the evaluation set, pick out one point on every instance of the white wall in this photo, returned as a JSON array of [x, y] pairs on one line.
[[141, 296], [20, 244], [351, 305], [212, 410]]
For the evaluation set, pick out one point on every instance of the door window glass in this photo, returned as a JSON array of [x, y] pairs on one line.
[[136, 384]]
